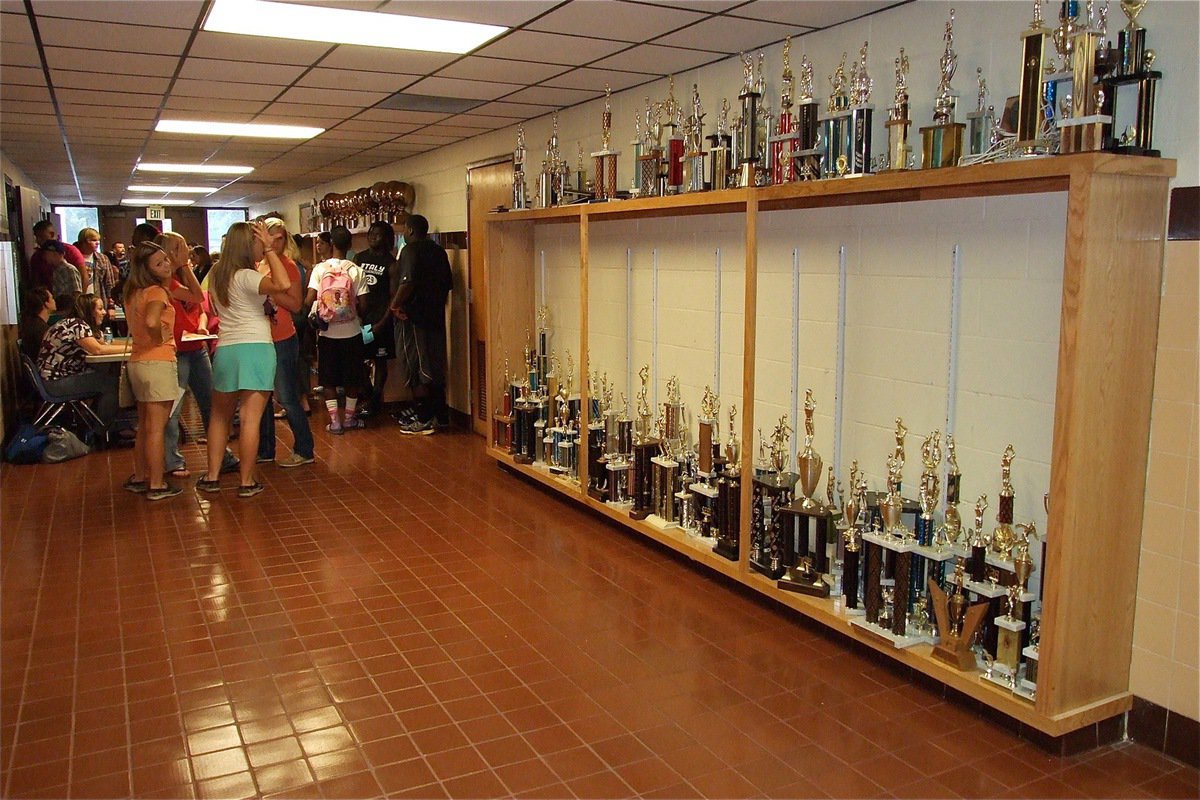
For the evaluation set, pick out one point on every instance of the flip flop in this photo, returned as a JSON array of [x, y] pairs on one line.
[[182, 472]]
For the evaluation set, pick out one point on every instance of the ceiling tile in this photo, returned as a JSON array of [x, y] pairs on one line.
[[327, 121], [458, 131], [122, 37], [92, 110], [450, 87], [811, 13], [35, 93], [167, 13], [143, 84], [19, 55], [509, 12], [421, 137], [11, 117], [331, 97], [258, 49], [375, 126], [215, 108], [110, 61], [14, 29], [479, 68], [356, 80], [552, 96], [369, 137], [23, 76], [470, 119], [402, 117], [555, 48], [657, 59], [702, 5], [218, 89], [612, 20], [513, 110], [729, 34], [318, 115], [26, 107], [595, 79], [215, 69], [380, 59]]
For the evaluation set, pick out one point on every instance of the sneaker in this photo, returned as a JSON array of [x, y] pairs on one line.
[[417, 428], [335, 428], [295, 460], [405, 415], [137, 487], [264, 459], [250, 490], [205, 485], [353, 423], [163, 492]]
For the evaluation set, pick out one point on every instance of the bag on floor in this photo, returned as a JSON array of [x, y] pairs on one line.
[[26, 446], [63, 446]]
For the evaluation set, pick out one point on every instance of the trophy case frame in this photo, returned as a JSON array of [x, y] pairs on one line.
[[1115, 236]]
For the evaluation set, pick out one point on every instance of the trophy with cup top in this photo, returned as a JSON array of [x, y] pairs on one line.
[[805, 524]]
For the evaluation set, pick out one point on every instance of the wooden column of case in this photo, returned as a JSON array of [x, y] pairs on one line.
[[1112, 272]]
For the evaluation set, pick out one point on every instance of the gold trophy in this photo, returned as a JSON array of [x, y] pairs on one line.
[[942, 142], [891, 507], [605, 159], [1003, 536], [956, 621], [1029, 102], [807, 524], [898, 122], [808, 462], [953, 525]]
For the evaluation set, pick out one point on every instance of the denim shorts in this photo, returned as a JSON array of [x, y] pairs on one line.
[[238, 367]]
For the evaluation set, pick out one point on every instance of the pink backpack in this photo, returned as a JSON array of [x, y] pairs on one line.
[[335, 296]]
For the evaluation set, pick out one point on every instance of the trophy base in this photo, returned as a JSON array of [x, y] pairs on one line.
[[598, 494], [765, 569], [879, 633], [520, 459], [728, 551], [1132, 150], [639, 514], [942, 145], [804, 583], [661, 523]]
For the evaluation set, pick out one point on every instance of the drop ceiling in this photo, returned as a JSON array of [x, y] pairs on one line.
[[83, 83]]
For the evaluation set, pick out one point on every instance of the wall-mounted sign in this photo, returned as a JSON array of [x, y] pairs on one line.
[[155, 213]]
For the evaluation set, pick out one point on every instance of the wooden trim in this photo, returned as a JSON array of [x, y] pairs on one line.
[[585, 406], [749, 340]]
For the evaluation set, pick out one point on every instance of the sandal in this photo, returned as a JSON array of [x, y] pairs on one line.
[[205, 485], [135, 486], [182, 472], [281, 414], [250, 490]]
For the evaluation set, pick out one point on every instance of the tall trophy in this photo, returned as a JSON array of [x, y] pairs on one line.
[[861, 112], [942, 142], [1134, 76], [520, 191], [773, 490], [694, 177], [953, 520], [729, 496], [1030, 100], [1084, 127], [605, 158], [652, 161], [898, 122], [720, 151], [835, 125], [748, 143], [980, 121], [783, 144], [644, 447], [1004, 537], [979, 542], [805, 519], [806, 159], [852, 507]]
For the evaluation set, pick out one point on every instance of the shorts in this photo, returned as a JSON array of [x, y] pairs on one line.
[[244, 367], [384, 345], [154, 381], [340, 362], [423, 352]]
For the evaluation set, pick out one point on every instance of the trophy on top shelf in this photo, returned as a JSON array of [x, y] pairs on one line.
[[861, 113], [673, 112], [553, 179], [942, 142], [605, 159], [957, 622], [1132, 134], [773, 490], [980, 121], [1084, 125], [720, 151], [784, 143], [805, 524], [1032, 95], [636, 144], [899, 150], [748, 141], [835, 125], [520, 191], [806, 159], [694, 177], [652, 174], [729, 496]]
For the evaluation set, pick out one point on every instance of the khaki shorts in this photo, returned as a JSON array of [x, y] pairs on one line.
[[154, 381]]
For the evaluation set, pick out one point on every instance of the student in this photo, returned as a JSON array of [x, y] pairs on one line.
[[379, 271], [41, 271], [244, 366], [65, 278], [287, 358], [104, 275], [36, 308], [152, 370], [335, 290], [419, 305], [66, 345], [201, 262]]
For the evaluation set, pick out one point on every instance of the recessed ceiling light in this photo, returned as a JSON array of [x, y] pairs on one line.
[[252, 129], [172, 189], [198, 169], [344, 26], [148, 201]]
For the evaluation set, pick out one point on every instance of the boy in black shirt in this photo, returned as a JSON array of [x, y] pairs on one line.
[[380, 274], [419, 305]]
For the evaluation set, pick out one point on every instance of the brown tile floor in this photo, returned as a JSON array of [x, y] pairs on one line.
[[403, 619]]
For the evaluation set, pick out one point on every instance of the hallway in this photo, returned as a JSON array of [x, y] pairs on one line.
[[404, 619]]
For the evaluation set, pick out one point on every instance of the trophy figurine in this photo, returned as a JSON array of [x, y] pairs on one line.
[[520, 191], [1133, 69], [1003, 536], [835, 138], [806, 523], [807, 461], [694, 177], [729, 496], [942, 142], [980, 121], [785, 142], [956, 621], [898, 122], [605, 159]]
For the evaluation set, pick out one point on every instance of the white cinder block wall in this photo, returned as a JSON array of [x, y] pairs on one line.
[[898, 262]]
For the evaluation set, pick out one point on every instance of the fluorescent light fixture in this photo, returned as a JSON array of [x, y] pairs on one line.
[[173, 189], [251, 129], [196, 169], [148, 201], [343, 26]]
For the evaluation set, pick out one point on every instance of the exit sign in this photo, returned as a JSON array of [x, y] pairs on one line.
[[155, 213]]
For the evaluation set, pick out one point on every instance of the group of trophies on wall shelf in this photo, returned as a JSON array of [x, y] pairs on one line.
[[1063, 106], [883, 558]]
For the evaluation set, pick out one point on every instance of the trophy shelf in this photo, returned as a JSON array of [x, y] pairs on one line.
[[1115, 234]]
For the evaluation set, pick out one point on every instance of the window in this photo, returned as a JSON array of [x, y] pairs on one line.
[[219, 220], [163, 224], [75, 219]]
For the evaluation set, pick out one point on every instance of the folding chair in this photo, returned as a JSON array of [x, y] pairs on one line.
[[53, 405]]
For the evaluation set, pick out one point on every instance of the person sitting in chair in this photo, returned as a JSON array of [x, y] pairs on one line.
[[66, 345]]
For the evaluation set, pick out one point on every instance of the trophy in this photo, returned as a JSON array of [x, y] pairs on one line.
[[835, 125], [957, 622], [1084, 127], [931, 457], [1030, 100], [693, 144], [861, 112], [720, 144], [851, 509], [748, 140], [807, 559], [652, 161], [979, 542], [899, 150], [1003, 537], [638, 142], [619, 442], [980, 121], [644, 447], [783, 145], [941, 143], [503, 419], [707, 451], [605, 160], [665, 466], [520, 192], [674, 152], [772, 490], [729, 496], [1134, 64]]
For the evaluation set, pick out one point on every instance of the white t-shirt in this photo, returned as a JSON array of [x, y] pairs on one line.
[[243, 321], [340, 330]]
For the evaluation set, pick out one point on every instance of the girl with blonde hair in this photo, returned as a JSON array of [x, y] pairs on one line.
[[244, 365], [153, 375]]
